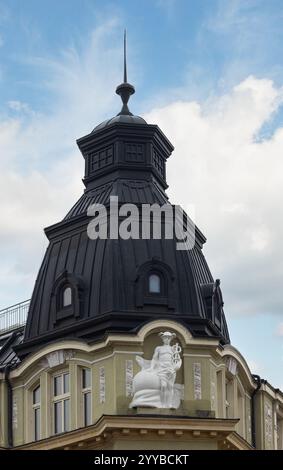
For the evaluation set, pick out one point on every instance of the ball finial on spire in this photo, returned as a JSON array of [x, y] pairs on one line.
[[125, 90]]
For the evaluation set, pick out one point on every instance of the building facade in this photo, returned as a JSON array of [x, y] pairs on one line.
[[86, 369]]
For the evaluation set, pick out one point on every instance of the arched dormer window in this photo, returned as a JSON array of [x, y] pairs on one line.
[[67, 297], [213, 299], [154, 284]]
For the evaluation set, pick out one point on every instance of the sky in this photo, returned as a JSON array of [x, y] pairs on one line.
[[210, 74]]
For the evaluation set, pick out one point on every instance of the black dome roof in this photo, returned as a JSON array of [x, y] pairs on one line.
[[124, 157], [121, 118]]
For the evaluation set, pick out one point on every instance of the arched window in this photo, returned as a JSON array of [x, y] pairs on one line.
[[36, 412], [154, 284], [67, 296]]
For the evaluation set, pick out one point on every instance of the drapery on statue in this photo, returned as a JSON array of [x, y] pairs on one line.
[[154, 386]]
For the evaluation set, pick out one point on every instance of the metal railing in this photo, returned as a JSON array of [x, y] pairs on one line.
[[14, 316]]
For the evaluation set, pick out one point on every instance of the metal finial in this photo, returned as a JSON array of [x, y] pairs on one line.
[[125, 56], [125, 90]]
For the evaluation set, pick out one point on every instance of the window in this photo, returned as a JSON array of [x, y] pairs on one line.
[[61, 402], [36, 412], [86, 396], [154, 284], [241, 413], [229, 398], [67, 297]]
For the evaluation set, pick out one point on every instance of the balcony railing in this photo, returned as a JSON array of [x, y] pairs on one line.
[[14, 316]]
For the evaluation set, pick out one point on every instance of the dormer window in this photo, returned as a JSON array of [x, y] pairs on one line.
[[67, 296], [154, 284]]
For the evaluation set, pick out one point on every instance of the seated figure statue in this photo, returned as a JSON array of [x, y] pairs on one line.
[[154, 386]]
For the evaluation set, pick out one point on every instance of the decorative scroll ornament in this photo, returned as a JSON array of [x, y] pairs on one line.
[[232, 365], [102, 391], [268, 424], [154, 386], [57, 358], [197, 380], [15, 413], [129, 377]]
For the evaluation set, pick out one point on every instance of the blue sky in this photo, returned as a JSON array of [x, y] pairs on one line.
[[210, 73]]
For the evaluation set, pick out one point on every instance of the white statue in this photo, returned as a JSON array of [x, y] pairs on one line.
[[154, 386]]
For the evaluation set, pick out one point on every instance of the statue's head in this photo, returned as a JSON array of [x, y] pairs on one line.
[[167, 336]]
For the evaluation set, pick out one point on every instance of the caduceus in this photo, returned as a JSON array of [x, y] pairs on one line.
[[176, 355]]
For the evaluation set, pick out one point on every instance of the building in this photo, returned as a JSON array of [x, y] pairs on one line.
[[69, 377]]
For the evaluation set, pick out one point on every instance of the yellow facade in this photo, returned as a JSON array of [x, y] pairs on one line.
[[215, 413]]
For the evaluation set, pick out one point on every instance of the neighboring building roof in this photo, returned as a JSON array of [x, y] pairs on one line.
[[7, 342]]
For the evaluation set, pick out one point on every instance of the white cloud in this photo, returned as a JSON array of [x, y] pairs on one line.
[[235, 182], [40, 166], [18, 106]]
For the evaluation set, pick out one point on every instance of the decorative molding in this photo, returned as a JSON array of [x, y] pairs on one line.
[[15, 413], [213, 393], [102, 390], [232, 365], [249, 425], [197, 380], [111, 338], [268, 425], [151, 424], [57, 358], [129, 377]]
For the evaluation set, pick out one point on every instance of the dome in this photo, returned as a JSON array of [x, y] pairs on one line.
[[110, 279], [121, 118]]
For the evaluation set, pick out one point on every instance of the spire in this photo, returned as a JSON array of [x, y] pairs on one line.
[[125, 56], [125, 90]]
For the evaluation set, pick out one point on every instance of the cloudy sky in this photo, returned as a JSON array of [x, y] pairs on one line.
[[210, 74]]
